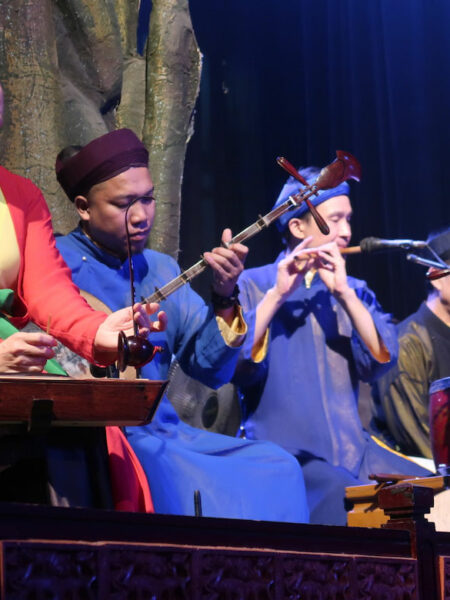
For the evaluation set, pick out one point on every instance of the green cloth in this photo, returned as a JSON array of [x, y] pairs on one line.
[[6, 300], [7, 329]]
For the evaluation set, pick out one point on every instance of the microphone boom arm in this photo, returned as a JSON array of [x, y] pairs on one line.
[[426, 262]]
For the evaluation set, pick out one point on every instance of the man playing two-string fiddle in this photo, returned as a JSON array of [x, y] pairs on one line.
[[236, 477], [327, 331], [424, 357]]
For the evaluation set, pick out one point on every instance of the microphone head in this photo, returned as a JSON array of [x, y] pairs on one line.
[[373, 244], [370, 244]]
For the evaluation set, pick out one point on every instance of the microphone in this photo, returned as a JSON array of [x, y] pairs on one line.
[[373, 244]]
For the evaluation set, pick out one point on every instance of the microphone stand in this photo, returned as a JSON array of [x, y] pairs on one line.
[[426, 262], [436, 262], [441, 268]]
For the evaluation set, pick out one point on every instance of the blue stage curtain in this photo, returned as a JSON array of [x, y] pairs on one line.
[[302, 78]]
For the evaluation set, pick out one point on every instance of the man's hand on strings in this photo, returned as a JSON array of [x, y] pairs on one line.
[[227, 263], [141, 314], [106, 339]]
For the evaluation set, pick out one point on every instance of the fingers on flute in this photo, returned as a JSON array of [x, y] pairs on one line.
[[302, 264]]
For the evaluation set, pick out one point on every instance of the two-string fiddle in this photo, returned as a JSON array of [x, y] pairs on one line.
[[133, 351], [345, 166]]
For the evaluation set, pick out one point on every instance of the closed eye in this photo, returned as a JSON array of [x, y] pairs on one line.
[[146, 199]]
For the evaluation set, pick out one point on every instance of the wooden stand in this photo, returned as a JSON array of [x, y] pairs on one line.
[[366, 511], [41, 401], [100, 554]]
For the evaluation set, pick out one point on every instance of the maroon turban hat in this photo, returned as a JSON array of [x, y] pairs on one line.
[[100, 160]]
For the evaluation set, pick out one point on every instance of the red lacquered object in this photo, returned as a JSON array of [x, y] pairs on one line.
[[439, 414], [345, 166], [135, 351]]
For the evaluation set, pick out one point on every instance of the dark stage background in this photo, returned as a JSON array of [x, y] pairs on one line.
[[302, 78]]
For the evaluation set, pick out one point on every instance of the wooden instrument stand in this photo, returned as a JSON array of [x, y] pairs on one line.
[[366, 511], [41, 401]]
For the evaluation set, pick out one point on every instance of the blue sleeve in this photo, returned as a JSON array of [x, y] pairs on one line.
[[192, 333], [195, 339], [367, 367]]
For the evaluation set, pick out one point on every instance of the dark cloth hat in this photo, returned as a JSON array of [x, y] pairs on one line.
[[100, 160], [292, 187], [440, 243]]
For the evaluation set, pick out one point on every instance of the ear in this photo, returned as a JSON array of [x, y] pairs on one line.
[[82, 206], [296, 228]]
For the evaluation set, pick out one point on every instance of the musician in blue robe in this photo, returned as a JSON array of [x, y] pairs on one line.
[[236, 477], [325, 336]]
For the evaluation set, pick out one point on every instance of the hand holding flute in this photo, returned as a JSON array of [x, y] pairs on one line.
[[327, 259], [291, 272]]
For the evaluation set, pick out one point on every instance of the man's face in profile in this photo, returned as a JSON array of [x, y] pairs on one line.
[[103, 211], [337, 212]]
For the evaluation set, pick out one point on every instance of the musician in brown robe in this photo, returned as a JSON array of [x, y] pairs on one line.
[[424, 356]]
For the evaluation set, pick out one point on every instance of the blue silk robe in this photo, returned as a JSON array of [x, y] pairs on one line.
[[304, 395], [237, 478]]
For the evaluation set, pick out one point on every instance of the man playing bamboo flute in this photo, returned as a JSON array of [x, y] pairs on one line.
[[326, 332]]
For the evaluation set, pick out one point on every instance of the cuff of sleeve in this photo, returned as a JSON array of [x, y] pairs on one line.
[[383, 345], [235, 333], [259, 350]]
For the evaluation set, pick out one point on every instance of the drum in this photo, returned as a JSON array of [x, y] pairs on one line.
[[200, 406], [439, 407]]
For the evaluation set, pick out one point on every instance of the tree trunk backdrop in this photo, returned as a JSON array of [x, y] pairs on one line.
[[71, 72]]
